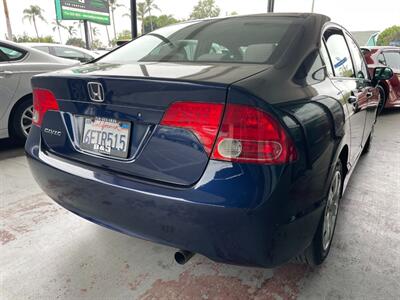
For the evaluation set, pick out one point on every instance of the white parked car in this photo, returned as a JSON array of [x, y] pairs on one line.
[[17, 65], [65, 51]]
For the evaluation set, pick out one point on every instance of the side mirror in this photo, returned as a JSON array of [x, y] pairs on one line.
[[382, 73]]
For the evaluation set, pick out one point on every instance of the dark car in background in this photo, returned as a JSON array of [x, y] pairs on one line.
[[240, 154], [389, 89]]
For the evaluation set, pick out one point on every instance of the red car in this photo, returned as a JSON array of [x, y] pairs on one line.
[[389, 89]]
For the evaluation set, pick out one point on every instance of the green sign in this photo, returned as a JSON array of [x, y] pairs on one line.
[[96, 11]]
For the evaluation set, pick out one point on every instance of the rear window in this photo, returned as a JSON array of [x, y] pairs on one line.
[[392, 59], [68, 53], [43, 48], [235, 40], [10, 54]]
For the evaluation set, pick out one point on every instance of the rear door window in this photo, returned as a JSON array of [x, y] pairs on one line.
[[381, 59], [392, 59], [69, 53], [11, 54], [43, 48], [326, 59], [339, 54], [358, 58]]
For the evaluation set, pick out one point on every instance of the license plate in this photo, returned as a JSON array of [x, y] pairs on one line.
[[106, 136]]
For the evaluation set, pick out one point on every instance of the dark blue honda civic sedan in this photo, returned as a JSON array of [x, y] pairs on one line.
[[232, 137]]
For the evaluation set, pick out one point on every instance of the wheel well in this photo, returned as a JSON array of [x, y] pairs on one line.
[[28, 96], [344, 156]]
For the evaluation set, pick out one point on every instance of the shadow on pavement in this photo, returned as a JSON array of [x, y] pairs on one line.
[[390, 111], [9, 149]]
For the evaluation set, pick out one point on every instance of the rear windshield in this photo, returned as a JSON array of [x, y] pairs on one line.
[[254, 39]]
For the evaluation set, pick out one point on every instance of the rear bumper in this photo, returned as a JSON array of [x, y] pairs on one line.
[[193, 219]]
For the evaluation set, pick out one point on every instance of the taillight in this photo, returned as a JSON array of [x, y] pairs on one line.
[[43, 101], [203, 119], [250, 135]]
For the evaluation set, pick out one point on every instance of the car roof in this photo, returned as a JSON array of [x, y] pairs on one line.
[[380, 48], [58, 45], [318, 17], [22, 46], [37, 55]]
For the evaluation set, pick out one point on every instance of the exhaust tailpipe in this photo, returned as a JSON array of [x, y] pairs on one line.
[[183, 256]]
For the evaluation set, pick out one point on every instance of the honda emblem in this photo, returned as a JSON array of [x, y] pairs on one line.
[[96, 91]]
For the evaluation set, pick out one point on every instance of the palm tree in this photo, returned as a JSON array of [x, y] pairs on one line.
[[56, 26], [78, 24], [71, 30], [7, 15], [114, 5], [31, 13], [108, 36], [141, 14], [150, 5], [95, 31]]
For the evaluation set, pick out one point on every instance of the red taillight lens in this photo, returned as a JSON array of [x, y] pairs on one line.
[[43, 101], [251, 135], [203, 119]]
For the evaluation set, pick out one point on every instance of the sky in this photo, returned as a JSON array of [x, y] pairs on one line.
[[355, 15]]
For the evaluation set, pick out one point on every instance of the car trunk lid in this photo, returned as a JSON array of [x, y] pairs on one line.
[[155, 152]]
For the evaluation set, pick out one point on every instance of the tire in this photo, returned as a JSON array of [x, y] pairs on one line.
[[21, 120], [382, 101], [319, 249]]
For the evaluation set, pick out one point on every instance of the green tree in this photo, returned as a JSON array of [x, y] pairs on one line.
[[95, 31], [148, 23], [205, 9], [97, 44], [141, 14], [158, 22], [150, 5], [27, 39], [57, 27], [125, 35], [165, 20], [389, 35], [79, 25], [77, 42], [71, 30], [31, 14]]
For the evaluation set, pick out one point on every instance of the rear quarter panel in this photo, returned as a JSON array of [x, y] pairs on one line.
[[316, 117]]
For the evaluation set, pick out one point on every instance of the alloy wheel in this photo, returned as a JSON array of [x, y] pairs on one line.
[[331, 210], [26, 120]]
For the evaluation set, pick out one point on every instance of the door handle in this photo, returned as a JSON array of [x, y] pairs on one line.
[[352, 99], [6, 73]]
